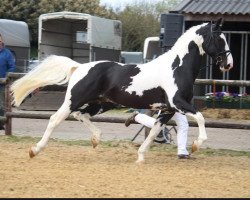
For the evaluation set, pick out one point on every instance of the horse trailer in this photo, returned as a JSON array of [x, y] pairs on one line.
[[151, 49], [79, 36], [131, 57], [17, 39]]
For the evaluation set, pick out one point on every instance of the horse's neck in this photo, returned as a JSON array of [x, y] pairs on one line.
[[181, 47], [188, 45], [194, 63], [191, 49]]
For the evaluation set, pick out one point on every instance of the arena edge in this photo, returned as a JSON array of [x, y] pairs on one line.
[[227, 100], [228, 105]]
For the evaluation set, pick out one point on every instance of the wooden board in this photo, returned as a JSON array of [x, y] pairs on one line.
[[43, 100]]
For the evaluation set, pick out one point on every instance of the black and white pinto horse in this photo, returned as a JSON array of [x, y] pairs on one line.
[[165, 83]]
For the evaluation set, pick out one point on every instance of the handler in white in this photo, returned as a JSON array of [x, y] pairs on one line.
[[182, 129]]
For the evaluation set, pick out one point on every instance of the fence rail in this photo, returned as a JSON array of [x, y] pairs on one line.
[[122, 120], [239, 83], [7, 119]]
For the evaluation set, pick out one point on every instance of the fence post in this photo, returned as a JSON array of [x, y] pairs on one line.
[[8, 125]]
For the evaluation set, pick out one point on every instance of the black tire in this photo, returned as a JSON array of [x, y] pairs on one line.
[[163, 137]]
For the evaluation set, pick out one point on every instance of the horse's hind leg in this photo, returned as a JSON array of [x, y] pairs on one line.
[[62, 113], [92, 109], [96, 132]]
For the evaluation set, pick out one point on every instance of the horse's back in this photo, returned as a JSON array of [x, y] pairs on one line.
[[110, 80], [92, 80]]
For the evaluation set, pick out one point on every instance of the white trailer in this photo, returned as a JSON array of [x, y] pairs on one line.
[[17, 39], [151, 49], [79, 36]]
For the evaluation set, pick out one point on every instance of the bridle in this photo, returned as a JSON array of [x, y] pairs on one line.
[[218, 56]]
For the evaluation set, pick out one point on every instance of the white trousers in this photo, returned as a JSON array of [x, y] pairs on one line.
[[182, 129]]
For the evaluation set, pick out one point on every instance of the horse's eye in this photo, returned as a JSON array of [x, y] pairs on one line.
[[219, 58]]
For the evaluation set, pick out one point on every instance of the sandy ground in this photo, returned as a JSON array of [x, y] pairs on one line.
[[81, 171], [63, 170]]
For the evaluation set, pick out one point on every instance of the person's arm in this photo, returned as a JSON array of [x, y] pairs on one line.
[[10, 63]]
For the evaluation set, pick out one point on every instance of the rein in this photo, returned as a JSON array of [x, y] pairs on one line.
[[218, 58]]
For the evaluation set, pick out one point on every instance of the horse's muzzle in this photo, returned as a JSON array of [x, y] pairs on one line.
[[226, 67]]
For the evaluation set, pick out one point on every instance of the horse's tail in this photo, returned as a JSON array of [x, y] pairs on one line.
[[54, 70]]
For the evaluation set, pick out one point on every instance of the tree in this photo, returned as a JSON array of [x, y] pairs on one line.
[[136, 26], [30, 10], [18, 10], [88, 6], [141, 20]]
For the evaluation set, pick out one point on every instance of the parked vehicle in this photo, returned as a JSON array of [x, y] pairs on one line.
[[79, 36], [17, 39], [151, 49], [128, 57]]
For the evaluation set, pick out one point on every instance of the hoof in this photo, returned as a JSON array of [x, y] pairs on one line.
[[31, 153], [194, 147], [94, 142]]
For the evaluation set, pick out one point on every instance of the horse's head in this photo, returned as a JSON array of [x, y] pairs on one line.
[[215, 45]]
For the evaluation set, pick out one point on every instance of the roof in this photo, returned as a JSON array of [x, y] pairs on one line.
[[230, 7], [15, 33], [64, 14]]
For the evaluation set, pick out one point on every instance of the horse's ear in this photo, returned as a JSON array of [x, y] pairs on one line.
[[219, 23]]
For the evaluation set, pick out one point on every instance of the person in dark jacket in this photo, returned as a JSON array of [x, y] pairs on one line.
[[7, 64]]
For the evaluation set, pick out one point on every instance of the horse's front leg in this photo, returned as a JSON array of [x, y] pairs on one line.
[[202, 131], [155, 130], [185, 107]]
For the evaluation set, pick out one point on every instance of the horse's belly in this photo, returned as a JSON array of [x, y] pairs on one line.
[[145, 101]]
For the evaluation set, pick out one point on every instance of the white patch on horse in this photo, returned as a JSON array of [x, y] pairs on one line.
[[181, 46], [229, 57]]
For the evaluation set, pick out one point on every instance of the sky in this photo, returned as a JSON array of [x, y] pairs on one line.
[[120, 3], [115, 3]]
